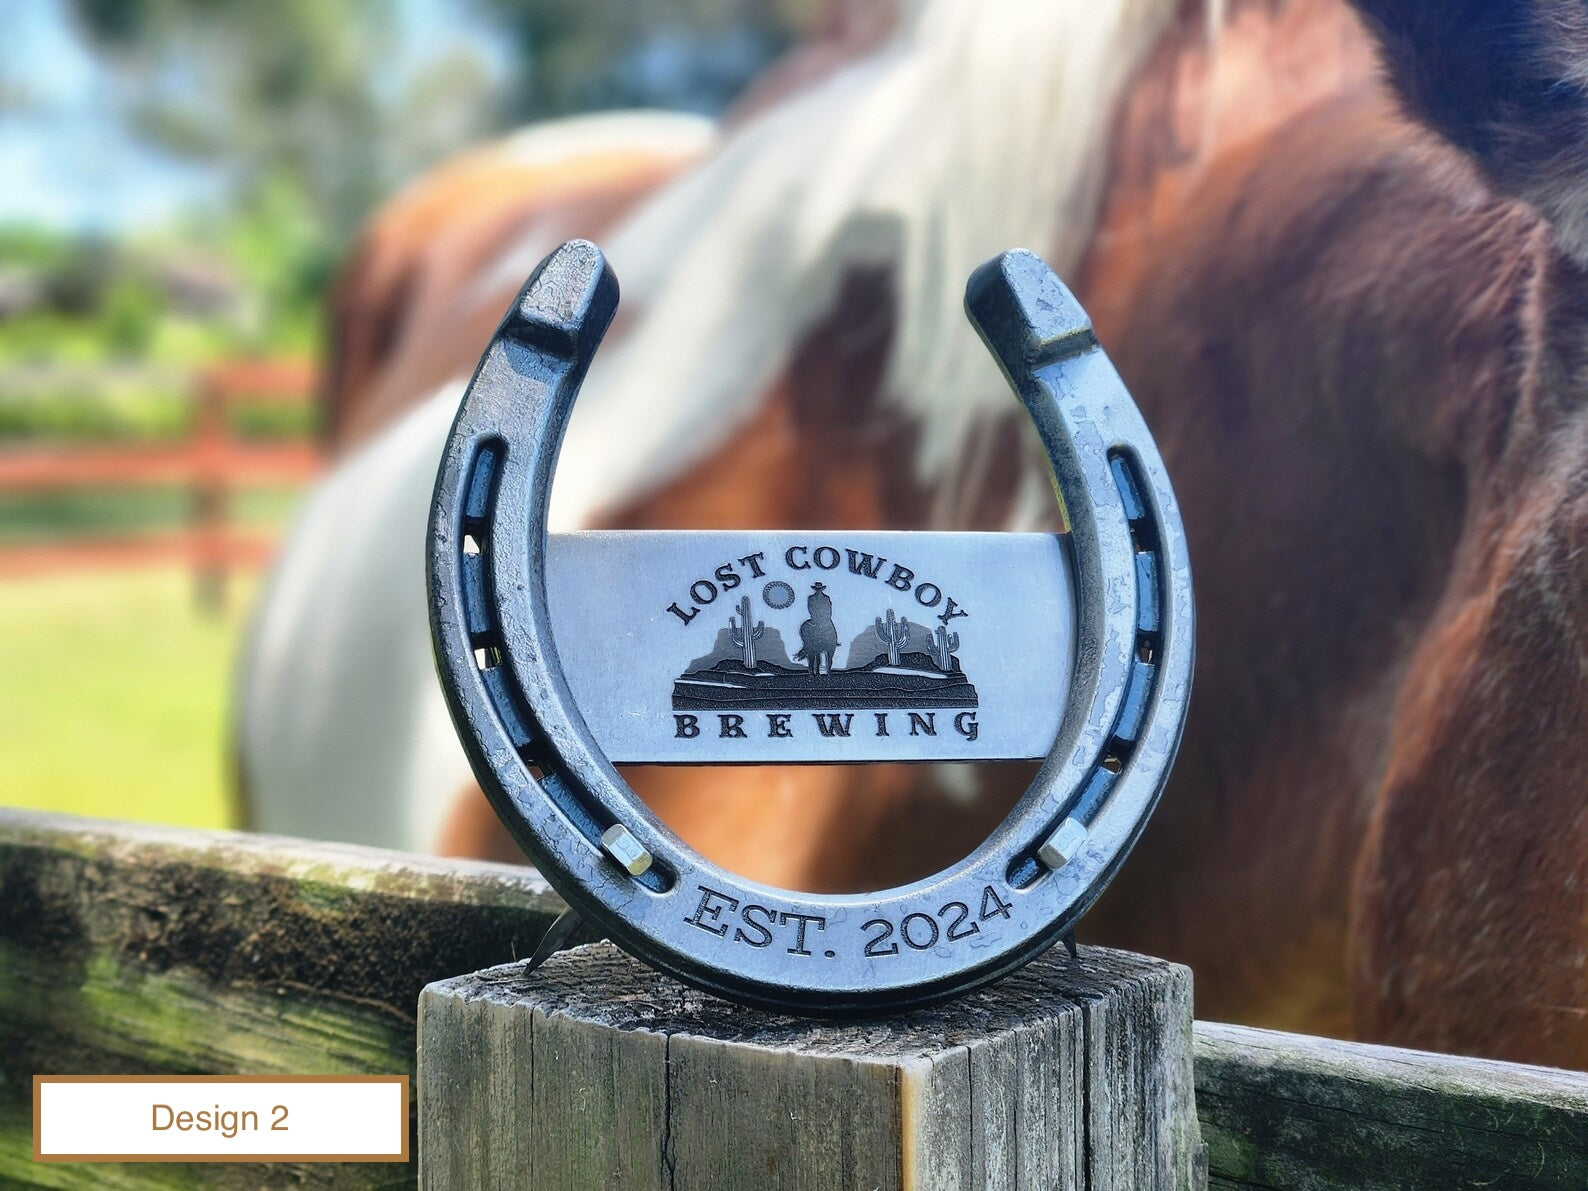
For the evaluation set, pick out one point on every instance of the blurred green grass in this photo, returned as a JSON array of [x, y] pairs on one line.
[[96, 411], [33, 517], [114, 695]]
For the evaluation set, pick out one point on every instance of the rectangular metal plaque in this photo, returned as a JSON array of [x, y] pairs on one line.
[[685, 647]]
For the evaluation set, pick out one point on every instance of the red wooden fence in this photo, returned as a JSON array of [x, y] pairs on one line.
[[210, 463]]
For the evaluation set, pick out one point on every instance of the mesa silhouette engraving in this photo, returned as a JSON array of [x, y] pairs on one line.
[[892, 663]]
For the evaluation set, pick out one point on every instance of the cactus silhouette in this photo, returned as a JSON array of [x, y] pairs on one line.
[[895, 634], [745, 637], [944, 643]]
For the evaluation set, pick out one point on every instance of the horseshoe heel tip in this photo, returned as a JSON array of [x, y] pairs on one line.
[[1027, 317], [567, 303]]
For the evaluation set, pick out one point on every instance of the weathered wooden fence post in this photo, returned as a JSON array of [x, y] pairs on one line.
[[595, 1071]]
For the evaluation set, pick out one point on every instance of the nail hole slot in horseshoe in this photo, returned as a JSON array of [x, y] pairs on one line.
[[561, 655]]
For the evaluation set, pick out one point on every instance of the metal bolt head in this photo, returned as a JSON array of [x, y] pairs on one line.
[[621, 845], [1063, 845]]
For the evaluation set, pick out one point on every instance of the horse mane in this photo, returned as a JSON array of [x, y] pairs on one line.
[[967, 133]]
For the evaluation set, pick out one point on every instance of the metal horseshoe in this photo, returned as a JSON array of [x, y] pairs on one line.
[[1078, 648]]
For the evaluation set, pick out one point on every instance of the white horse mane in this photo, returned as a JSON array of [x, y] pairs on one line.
[[977, 128], [983, 125]]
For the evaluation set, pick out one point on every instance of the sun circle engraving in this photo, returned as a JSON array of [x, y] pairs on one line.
[[778, 594]]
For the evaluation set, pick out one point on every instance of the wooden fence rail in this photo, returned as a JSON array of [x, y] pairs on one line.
[[210, 463], [141, 949]]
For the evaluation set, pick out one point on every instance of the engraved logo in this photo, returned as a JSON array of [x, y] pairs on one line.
[[857, 654], [809, 646]]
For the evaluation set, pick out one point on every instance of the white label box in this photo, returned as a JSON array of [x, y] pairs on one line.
[[220, 1118]]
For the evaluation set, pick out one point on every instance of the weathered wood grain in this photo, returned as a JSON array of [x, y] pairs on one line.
[[128, 949], [1284, 1110], [596, 1071]]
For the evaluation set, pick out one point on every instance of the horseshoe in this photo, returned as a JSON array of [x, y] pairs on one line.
[[510, 605]]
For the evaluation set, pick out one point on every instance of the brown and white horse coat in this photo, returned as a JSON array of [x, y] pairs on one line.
[[1360, 348], [790, 351]]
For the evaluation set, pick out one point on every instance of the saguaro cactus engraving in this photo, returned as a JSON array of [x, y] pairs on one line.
[[744, 636], [944, 643], [895, 634]]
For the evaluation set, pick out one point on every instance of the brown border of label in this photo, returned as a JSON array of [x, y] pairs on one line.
[[40, 1080]]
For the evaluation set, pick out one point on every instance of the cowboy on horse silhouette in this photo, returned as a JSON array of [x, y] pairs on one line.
[[818, 635]]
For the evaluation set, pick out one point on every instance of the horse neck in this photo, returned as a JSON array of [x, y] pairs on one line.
[[1524, 443]]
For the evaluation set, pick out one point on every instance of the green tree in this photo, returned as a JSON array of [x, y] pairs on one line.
[[301, 108], [313, 112], [585, 54], [294, 90]]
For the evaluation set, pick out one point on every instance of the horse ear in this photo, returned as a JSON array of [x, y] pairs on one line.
[[1504, 81]]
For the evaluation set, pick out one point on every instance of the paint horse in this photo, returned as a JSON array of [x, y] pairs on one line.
[[1337, 252]]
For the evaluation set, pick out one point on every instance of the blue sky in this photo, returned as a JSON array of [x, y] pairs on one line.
[[66, 159]]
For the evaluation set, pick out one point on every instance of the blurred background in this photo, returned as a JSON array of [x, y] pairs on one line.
[[178, 180]]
